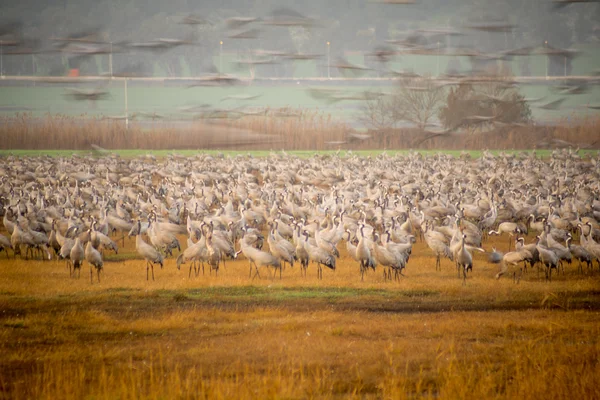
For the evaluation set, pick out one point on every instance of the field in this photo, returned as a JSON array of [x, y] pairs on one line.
[[229, 336]]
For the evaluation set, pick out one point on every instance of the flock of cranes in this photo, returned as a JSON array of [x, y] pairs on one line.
[[283, 210]]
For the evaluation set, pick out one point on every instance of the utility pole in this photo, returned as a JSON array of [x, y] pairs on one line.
[[438, 60], [126, 116], [221, 57], [328, 62], [110, 61], [547, 58]]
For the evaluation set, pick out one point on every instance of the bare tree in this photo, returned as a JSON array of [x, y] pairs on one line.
[[377, 112], [417, 100], [413, 100]]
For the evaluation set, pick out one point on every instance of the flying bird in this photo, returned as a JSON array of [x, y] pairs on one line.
[[552, 105], [288, 17], [89, 94]]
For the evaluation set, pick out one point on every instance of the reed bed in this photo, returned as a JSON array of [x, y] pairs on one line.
[[277, 129]]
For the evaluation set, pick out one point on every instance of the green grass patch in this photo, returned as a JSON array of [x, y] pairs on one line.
[[262, 293]]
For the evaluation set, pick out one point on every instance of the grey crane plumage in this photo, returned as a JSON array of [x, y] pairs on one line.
[[94, 258], [548, 258], [196, 252], [258, 258], [213, 254], [580, 253], [513, 258], [388, 260], [531, 248], [363, 253], [435, 241], [464, 259], [161, 239], [279, 250], [76, 256], [149, 253], [319, 255], [19, 238], [5, 244], [511, 228]]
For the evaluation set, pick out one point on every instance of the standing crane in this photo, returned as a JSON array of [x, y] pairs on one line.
[[77, 256], [150, 254], [94, 258]]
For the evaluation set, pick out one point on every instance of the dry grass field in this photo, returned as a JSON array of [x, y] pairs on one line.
[[228, 336], [285, 128]]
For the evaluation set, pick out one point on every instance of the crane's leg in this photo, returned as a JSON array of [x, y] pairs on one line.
[[147, 270], [91, 276], [464, 276], [98, 271]]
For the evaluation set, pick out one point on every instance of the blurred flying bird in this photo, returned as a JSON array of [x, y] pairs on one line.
[[11, 28], [522, 51], [241, 64], [573, 88], [397, 2], [358, 137], [241, 97], [560, 4], [247, 34], [499, 27], [552, 105], [348, 69], [288, 17], [87, 94], [402, 73], [237, 22], [195, 108], [214, 80], [301, 56], [160, 44], [383, 54], [92, 35], [193, 19], [556, 51], [151, 115]]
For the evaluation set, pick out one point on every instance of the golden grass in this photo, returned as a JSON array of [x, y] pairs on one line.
[[231, 337], [299, 130]]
